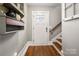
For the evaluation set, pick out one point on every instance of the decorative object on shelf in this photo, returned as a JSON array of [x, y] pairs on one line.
[[18, 17], [15, 8], [3, 10], [2, 13], [11, 13]]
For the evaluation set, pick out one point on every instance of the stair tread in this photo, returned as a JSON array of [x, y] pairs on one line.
[[60, 40], [57, 45], [57, 50]]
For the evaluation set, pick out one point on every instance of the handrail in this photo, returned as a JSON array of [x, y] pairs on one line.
[[55, 27]]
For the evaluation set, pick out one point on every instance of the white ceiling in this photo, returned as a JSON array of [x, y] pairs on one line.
[[44, 4]]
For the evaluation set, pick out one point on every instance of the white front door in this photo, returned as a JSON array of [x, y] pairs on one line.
[[40, 24]]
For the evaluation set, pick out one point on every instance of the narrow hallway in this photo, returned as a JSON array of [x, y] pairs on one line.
[[53, 49], [37, 23]]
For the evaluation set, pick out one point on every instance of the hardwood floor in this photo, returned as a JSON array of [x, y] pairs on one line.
[[42, 51]]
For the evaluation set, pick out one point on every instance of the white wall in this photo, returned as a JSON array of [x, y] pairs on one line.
[[14, 42], [70, 35], [22, 35], [8, 44], [54, 17]]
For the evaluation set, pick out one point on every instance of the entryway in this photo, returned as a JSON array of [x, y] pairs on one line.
[[40, 24]]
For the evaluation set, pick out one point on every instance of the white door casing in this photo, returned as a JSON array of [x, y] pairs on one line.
[[40, 24]]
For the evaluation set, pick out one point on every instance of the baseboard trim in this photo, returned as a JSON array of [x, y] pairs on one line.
[[29, 43], [24, 50]]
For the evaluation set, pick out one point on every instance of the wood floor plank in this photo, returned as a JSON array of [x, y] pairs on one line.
[[41, 51], [29, 51], [46, 51], [52, 51]]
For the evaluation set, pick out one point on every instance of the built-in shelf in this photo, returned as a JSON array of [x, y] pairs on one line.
[[13, 7], [9, 25], [9, 21], [9, 32]]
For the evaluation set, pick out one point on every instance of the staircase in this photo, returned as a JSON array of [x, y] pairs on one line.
[[54, 48], [58, 44]]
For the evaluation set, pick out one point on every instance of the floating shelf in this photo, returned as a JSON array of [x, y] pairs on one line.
[[9, 25], [9, 21], [14, 8], [9, 32]]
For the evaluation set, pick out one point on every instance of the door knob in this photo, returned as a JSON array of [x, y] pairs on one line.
[[46, 29]]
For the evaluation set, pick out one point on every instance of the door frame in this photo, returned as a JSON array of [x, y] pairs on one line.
[[32, 24]]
